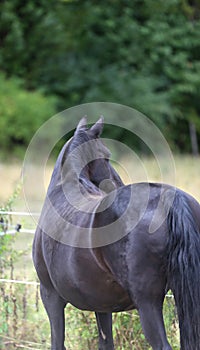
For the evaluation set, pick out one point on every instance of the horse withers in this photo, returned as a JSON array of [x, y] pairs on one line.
[[106, 247]]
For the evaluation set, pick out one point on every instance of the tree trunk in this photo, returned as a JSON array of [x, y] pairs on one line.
[[193, 138]]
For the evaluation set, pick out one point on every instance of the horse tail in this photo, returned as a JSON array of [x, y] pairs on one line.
[[183, 266]]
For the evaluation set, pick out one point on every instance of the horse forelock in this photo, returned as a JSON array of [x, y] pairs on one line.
[[78, 139]]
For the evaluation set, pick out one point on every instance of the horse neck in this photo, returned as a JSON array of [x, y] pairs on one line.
[[68, 174], [80, 184]]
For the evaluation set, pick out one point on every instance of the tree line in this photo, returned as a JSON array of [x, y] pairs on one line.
[[140, 53]]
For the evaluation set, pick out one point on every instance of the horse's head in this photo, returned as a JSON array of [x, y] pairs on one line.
[[92, 157]]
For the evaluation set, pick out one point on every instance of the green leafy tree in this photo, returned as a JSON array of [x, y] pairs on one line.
[[21, 114], [31, 38], [141, 53]]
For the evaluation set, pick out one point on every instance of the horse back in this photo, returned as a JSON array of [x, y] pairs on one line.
[[101, 277]]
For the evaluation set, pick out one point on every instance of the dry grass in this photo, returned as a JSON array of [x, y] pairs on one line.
[[10, 174], [187, 170], [35, 328], [185, 175], [144, 169]]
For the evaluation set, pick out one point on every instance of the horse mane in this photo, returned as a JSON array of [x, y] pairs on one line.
[[85, 154], [68, 163]]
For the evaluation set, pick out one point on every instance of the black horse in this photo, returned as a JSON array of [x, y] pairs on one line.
[[106, 247]]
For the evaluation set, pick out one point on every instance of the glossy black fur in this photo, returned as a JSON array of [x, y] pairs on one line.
[[134, 271]]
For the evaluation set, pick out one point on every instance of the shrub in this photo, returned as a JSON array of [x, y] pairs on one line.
[[21, 114]]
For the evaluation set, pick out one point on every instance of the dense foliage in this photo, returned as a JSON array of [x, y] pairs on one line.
[[141, 53], [21, 114]]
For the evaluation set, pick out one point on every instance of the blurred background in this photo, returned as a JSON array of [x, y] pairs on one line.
[[57, 54]]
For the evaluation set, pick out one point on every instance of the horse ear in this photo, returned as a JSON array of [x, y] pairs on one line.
[[97, 128], [82, 124]]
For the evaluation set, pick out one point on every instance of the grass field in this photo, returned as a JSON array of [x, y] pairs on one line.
[[33, 331], [187, 170], [187, 177]]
